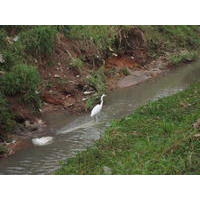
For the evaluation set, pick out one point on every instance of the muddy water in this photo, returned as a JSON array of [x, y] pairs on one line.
[[74, 133]]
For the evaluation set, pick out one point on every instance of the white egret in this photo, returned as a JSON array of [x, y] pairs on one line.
[[97, 109]]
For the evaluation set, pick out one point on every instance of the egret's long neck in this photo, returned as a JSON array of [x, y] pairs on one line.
[[101, 101]]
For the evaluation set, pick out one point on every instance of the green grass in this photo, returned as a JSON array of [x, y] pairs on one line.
[[76, 64], [3, 149], [22, 80], [39, 41], [160, 39], [183, 57], [157, 139], [101, 36], [97, 81], [7, 122]]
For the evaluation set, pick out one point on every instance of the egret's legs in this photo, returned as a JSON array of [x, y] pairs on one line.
[[96, 118]]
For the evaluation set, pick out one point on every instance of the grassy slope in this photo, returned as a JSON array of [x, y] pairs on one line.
[[157, 139]]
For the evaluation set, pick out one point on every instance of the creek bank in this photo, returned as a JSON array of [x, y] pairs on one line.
[[161, 137]]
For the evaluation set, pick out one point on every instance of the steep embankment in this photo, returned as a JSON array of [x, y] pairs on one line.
[[44, 68]]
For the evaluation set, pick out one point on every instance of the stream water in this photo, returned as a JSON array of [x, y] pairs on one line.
[[75, 133]]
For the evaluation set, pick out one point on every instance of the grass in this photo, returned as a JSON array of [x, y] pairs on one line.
[[3, 149], [125, 71], [160, 39], [158, 138], [77, 64], [183, 57], [6, 117], [97, 81], [101, 36], [39, 41], [91, 102], [22, 80]]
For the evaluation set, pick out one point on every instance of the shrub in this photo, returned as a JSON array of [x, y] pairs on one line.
[[39, 40], [12, 55], [23, 80]]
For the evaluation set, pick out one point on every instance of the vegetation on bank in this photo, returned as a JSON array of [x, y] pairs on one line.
[[25, 49], [161, 137]]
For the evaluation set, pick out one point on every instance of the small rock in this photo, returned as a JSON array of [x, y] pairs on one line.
[[155, 72], [84, 99], [2, 73], [77, 76], [107, 170], [59, 64], [197, 135], [39, 121], [34, 127], [27, 123], [13, 142]]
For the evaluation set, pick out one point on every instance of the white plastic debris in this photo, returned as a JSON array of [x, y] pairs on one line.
[[16, 38], [88, 92], [42, 141]]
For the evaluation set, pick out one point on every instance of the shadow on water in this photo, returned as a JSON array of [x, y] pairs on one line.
[[75, 133]]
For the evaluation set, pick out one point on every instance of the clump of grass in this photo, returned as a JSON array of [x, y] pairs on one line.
[[22, 80], [183, 57], [157, 139], [91, 102], [77, 64], [6, 118], [40, 40], [102, 36], [97, 81], [3, 149], [11, 57], [125, 71], [3, 42]]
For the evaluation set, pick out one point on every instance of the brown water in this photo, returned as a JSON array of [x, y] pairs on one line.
[[74, 133]]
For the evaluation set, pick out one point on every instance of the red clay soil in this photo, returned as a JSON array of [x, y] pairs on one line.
[[121, 62]]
